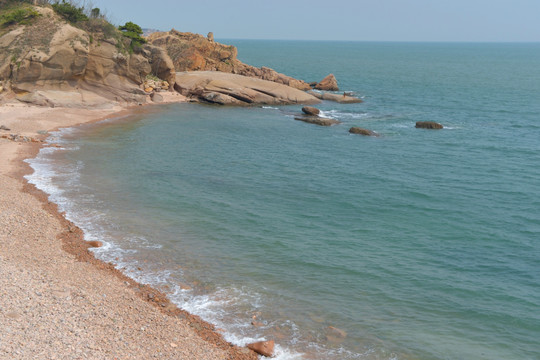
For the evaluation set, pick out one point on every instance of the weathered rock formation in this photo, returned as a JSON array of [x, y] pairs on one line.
[[161, 63], [317, 120], [329, 83], [193, 52], [232, 89], [361, 131], [428, 125], [59, 63], [310, 110], [342, 99]]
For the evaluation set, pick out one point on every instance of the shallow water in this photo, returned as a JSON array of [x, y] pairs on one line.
[[419, 244]]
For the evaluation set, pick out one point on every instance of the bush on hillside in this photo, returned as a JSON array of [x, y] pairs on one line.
[[69, 11], [20, 15]]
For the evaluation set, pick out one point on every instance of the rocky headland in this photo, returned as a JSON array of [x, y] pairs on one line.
[[47, 60]]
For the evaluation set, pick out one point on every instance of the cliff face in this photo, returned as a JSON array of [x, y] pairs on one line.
[[193, 52], [50, 54]]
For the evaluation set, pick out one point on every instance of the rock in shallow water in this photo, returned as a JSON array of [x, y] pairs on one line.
[[310, 110], [317, 120], [361, 131], [428, 125], [342, 99], [265, 348]]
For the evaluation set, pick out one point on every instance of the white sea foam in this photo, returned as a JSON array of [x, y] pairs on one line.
[[342, 115]]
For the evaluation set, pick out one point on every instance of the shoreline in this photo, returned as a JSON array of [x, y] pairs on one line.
[[68, 245]]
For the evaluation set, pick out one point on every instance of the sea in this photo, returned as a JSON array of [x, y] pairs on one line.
[[416, 244]]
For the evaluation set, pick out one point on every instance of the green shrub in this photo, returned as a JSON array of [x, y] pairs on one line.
[[21, 15], [133, 31], [69, 11]]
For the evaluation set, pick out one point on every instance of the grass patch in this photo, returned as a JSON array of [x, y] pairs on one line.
[[21, 14]]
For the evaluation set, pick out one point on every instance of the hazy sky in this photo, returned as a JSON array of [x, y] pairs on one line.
[[372, 20]]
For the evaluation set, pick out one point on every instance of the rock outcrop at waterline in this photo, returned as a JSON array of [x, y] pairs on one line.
[[317, 120], [233, 89], [194, 52], [342, 99]]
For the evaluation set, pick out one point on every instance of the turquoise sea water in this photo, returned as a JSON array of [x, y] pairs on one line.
[[418, 244]]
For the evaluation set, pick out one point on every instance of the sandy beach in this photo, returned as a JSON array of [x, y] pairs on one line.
[[56, 300]]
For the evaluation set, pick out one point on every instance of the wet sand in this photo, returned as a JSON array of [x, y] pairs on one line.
[[56, 300]]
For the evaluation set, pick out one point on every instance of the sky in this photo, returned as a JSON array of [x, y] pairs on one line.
[[347, 20]]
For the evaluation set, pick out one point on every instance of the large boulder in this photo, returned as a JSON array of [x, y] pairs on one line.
[[264, 348], [310, 110], [232, 89], [428, 125], [161, 63], [329, 83]]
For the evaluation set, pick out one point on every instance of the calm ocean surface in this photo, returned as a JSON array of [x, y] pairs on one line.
[[418, 244]]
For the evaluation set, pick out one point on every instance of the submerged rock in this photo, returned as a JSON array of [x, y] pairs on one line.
[[329, 83], [428, 125], [317, 120], [361, 131], [335, 335], [265, 348]]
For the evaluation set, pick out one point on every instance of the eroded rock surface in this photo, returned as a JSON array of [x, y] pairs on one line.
[[232, 89], [329, 83]]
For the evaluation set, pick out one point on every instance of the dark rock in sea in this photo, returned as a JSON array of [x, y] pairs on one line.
[[428, 125], [310, 110], [265, 348], [329, 83], [342, 99], [317, 120], [361, 131]]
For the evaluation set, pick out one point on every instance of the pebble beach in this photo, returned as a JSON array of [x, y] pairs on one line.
[[57, 301]]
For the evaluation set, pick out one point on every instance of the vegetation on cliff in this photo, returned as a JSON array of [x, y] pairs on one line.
[[133, 32], [18, 15]]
